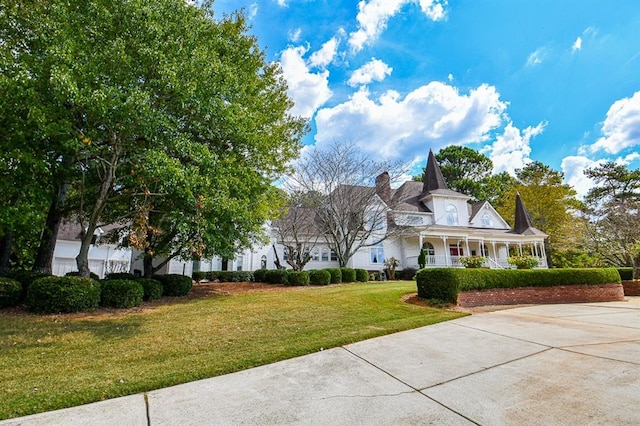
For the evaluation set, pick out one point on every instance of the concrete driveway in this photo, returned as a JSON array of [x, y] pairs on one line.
[[540, 365]]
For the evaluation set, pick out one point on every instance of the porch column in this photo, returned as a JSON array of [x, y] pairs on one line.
[[446, 251], [466, 243], [420, 239], [495, 253]]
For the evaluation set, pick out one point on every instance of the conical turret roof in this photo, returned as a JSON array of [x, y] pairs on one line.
[[522, 223]]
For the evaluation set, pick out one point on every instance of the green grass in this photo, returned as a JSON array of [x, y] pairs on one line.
[[57, 361]]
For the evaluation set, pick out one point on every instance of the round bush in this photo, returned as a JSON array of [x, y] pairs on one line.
[[63, 294], [120, 276], [10, 292], [175, 284], [198, 275], [320, 277], [26, 278], [362, 275], [348, 275], [92, 275], [260, 275], [121, 293], [276, 276], [336, 275], [212, 275], [152, 288], [298, 278]]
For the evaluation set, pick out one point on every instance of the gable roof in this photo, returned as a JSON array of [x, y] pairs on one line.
[[407, 198]]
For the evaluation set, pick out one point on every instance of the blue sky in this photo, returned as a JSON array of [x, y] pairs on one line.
[[556, 81]]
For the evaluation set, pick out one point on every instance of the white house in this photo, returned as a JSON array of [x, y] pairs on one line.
[[432, 217]]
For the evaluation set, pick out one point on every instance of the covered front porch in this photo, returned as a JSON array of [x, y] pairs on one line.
[[445, 251]]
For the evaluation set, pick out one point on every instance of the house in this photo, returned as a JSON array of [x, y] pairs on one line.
[[417, 215]]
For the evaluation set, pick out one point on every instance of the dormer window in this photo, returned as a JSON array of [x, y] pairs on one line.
[[452, 214]]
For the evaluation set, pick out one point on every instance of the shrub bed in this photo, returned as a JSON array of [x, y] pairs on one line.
[[25, 278], [121, 293], [297, 278], [198, 275], [212, 275], [348, 275], [152, 288], [445, 283], [260, 275], [276, 276], [336, 275], [174, 284], [409, 274], [10, 292], [63, 294], [362, 275], [234, 276], [319, 277]]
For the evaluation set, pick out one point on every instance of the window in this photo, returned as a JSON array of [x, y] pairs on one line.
[[486, 220], [377, 254], [452, 215], [239, 262], [263, 262], [428, 247], [325, 255], [414, 220], [315, 254], [334, 256]]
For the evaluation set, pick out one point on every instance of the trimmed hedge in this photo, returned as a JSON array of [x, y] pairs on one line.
[[348, 275], [234, 276], [121, 293], [152, 288], [198, 275], [10, 292], [626, 274], [445, 283], [319, 277], [297, 278], [26, 278], [276, 276], [336, 275], [120, 276], [174, 284], [260, 275], [63, 294], [362, 275], [212, 275], [92, 275]]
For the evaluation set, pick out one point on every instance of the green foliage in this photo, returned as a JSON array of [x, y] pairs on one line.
[[152, 288], [259, 275], [445, 283], [120, 276], [472, 261], [523, 262], [409, 274], [174, 284], [391, 264], [234, 276], [10, 292], [63, 294], [92, 275], [121, 293], [362, 276], [319, 277], [26, 278], [626, 274], [276, 276], [212, 275], [348, 275], [298, 278], [198, 275], [422, 259], [336, 275]]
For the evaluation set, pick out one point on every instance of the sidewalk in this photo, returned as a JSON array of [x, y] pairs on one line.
[[549, 364]]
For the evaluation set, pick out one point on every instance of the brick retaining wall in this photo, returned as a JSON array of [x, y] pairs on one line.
[[631, 288], [542, 295]]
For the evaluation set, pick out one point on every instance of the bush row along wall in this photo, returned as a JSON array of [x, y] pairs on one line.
[[445, 283]]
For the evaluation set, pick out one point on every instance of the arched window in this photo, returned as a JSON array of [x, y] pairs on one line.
[[452, 214], [486, 220], [325, 255], [429, 249], [315, 254]]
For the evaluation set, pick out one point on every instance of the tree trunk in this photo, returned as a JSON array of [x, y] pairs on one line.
[[6, 244], [44, 255], [147, 265]]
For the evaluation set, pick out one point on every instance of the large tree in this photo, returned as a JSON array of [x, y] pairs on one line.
[[614, 208], [175, 120], [350, 209]]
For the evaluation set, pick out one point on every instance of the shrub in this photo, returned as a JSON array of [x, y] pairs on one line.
[[212, 275], [476, 262], [336, 275], [276, 276], [198, 275], [10, 292], [409, 274], [92, 275], [362, 275], [298, 278], [175, 284], [26, 278], [120, 276], [422, 258], [319, 277], [234, 276], [445, 283], [348, 275], [152, 288], [121, 293], [63, 294], [523, 262], [260, 275], [626, 274]]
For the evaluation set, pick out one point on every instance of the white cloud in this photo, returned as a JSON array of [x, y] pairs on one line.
[[512, 148], [577, 45], [308, 90], [282, 3], [450, 77], [573, 168], [621, 128], [374, 70], [326, 54], [373, 16], [431, 116], [294, 35], [536, 57], [253, 11]]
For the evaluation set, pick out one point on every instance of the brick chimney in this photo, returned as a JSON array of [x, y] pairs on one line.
[[383, 186]]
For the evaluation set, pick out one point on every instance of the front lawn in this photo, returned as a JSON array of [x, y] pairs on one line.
[[56, 361]]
